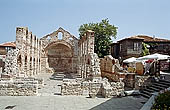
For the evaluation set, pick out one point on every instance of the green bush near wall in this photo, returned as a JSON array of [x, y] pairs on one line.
[[162, 102]]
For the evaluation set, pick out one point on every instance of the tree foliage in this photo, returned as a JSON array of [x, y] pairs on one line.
[[103, 35], [145, 50], [162, 102]]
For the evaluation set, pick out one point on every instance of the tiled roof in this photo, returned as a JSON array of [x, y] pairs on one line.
[[132, 38], [146, 38], [152, 39], [8, 44]]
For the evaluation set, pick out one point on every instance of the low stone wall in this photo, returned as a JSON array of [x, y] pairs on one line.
[[18, 88], [71, 89], [92, 89], [95, 88], [113, 90], [30, 79]]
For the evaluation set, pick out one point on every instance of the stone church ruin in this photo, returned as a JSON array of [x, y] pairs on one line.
[[54, 53]]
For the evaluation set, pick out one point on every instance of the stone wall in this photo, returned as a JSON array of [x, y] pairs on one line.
[[81, 88], [53, 54], [29, 52], [89, 63], [18, 88], [2, 63], [11, 67], [111, 69], [25, 59], [61, 54], [92, 89]]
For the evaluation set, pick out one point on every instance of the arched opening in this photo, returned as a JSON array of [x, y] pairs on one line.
[[25, 64], [60, 57], [48, 38], [70, 38], [30, 63], [34, 67], [60, 35], [19, 62]]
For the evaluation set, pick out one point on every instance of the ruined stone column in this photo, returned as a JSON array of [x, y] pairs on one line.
[[83, 58], [35, 56], [21, 33], [40, 55], [36, 60], [79, 58], [32, 56], [28, 52], [85, 55], [90, 38]]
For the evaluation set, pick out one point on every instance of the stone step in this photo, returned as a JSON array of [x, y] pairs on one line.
[[158, 87], [145, 95], [161, 84], [146, 92], [153, 88], [149, 90], [165, 81], [60, 75]]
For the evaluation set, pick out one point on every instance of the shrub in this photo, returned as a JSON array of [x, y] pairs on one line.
[[162, 102]]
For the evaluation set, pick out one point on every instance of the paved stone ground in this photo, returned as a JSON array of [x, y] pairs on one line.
[[69, 103], [50, 99]]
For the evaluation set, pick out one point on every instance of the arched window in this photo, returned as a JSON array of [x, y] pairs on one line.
[[19, 61], [48, 38], [31, 38], [71, 38], [60, 35], [26, 63]]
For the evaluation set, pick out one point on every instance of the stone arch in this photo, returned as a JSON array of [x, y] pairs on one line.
[[19, 61], [68, 41], [60, 56], [25, 68], [65, 34], [58, 42], [31, 66], [34, 66]]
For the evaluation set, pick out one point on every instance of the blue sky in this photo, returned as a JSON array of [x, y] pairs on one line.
[[132, 17]]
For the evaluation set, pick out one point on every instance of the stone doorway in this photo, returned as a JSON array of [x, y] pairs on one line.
[[60, 58]]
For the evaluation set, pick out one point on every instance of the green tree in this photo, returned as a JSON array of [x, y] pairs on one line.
[[162, 101], [103, 35], [145, 50]]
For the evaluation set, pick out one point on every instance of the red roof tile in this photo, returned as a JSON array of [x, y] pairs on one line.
[[152, 39], [146, 38], [8, 44]]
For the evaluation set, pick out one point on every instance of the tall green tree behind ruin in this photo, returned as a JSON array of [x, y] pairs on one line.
[[104, 32]]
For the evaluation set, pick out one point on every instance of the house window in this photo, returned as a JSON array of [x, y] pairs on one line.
[[136, 46]]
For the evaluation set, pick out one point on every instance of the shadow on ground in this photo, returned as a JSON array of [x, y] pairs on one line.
[[124, 103]]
